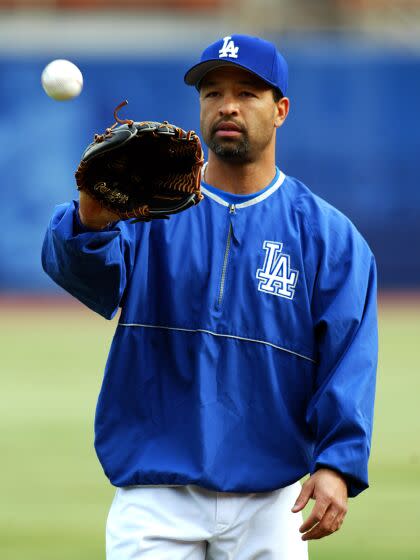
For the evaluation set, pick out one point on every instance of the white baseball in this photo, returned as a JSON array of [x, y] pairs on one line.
[[61, 80]]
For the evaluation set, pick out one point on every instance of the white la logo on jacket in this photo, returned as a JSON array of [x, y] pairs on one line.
[[276, 277], [228, 49]]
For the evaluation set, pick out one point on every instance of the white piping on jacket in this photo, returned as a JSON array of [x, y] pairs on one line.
[[255, 200], [219, 334]]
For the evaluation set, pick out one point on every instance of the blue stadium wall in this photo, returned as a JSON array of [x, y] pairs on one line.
[[352, 136]]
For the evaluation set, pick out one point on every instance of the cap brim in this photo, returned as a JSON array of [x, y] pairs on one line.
[[194, 76]]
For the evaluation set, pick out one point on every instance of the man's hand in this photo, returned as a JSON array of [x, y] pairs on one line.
[[329, 490], [92, 214]]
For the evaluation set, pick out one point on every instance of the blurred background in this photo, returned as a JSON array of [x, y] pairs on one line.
[[352, 136]]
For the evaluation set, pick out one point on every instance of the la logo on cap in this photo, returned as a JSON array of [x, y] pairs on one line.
[[228, 49]]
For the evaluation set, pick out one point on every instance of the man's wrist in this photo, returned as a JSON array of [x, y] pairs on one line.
[[334, 471], [90, 225]]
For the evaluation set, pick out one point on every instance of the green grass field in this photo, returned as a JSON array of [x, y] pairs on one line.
[[55, 497]]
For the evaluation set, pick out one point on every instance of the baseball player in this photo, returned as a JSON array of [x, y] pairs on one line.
[[246, 349]]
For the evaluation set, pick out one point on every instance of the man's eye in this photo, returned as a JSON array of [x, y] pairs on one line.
[[247, 94], [211, 94]]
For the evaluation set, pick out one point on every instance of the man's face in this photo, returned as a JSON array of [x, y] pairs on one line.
[[238, 116]]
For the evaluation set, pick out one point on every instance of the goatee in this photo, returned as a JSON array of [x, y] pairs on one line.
[[237, 152]]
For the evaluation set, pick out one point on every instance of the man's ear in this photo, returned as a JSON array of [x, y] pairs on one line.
[[282, 110]]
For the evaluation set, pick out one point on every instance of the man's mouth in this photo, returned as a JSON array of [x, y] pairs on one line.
[[228, 130]]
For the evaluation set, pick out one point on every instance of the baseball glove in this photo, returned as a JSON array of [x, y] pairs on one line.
[[142, 170]]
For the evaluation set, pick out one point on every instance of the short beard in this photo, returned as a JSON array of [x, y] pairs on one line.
[[236, 153]]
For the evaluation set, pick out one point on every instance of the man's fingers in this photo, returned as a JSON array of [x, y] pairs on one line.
[[327, 525], [316, 532], [330, 523], [316, 515], [330, 492], [304, 496], [340, 518]]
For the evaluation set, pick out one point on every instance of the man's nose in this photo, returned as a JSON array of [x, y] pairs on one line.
[[228, 106]]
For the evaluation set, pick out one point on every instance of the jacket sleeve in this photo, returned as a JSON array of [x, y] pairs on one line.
[[93, 266], [340, 413]]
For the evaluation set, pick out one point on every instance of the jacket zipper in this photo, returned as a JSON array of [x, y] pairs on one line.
[[226, 257]]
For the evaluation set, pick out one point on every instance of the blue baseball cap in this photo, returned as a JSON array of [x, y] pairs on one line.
[[256, 55]]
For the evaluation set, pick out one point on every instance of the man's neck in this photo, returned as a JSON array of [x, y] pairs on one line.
[[246, 178]]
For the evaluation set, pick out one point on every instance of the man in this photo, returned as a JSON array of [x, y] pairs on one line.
[[245, 353]]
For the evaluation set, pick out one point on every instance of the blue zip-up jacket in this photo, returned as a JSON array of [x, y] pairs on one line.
[[246, 349]]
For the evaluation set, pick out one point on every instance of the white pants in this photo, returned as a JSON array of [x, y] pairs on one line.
[[191, 523]]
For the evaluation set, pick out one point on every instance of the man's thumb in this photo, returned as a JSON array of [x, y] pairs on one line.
[[303, 497]]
